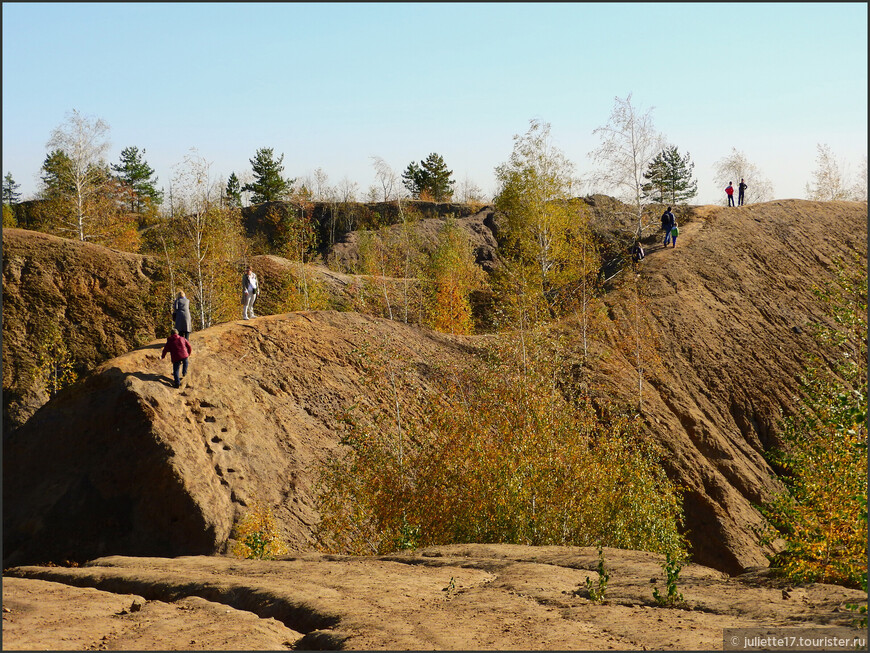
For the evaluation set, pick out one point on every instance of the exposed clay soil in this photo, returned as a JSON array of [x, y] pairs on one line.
[[123, 463], [478, 597]]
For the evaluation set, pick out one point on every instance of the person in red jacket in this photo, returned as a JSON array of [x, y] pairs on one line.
[[179, 351], [729, 191]]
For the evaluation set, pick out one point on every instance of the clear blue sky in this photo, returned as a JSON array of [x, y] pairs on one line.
[[332, 85]]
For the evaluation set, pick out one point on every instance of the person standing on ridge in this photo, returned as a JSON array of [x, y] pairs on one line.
[[740, 190], [250, 290], [729, 191], [181, 314], [668, 221], [179, 351], [675, 231]]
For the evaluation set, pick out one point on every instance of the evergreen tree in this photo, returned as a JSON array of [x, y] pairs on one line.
[[135, 172], [430, 179], [233, 191], [413, 179], [56, 171], [669, 178], [268, 185], [10, 190]]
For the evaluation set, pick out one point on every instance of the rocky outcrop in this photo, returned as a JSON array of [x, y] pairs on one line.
[[479, 227], [99, 302], [123, 463], [728, 315]]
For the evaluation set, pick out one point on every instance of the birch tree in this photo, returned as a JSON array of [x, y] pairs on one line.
[[347, 196], [859, 190], [386, 180], [84, 142], [735, 167], [207, 239], [829, 178], [467, 192], [629, 143], [545, 235]]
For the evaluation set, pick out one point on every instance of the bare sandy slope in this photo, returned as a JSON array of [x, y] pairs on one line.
[[122, 463], [483, 597]]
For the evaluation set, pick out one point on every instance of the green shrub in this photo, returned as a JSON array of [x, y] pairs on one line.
[[597, 593]]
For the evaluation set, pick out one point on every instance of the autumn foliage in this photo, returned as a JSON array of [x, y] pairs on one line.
[[503, 453], [257, 535], [822, 516]]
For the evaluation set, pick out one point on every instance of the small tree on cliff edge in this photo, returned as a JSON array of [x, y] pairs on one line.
[[429, 180], [829, 179], [78, 147], [670, 178], [268, 184]]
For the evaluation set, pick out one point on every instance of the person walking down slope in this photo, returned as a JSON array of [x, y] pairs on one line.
[[179, 351], [729, 191], [181, 314], [675, 231], [250, 290], [741, 189], [668, 221]]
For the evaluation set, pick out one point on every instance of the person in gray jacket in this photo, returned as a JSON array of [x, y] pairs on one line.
[[181, 315]]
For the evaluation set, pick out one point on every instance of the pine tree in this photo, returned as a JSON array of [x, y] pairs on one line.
[[268, 185], [10, 190], [233, 191], [670, 178], [430, 179], [55, 175], [135, 172]]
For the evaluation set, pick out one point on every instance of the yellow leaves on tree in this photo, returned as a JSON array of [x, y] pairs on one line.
[[452, 275], [823, 514], [499, 455]]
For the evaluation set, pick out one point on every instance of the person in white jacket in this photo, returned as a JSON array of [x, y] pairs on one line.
[[250, 290]]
